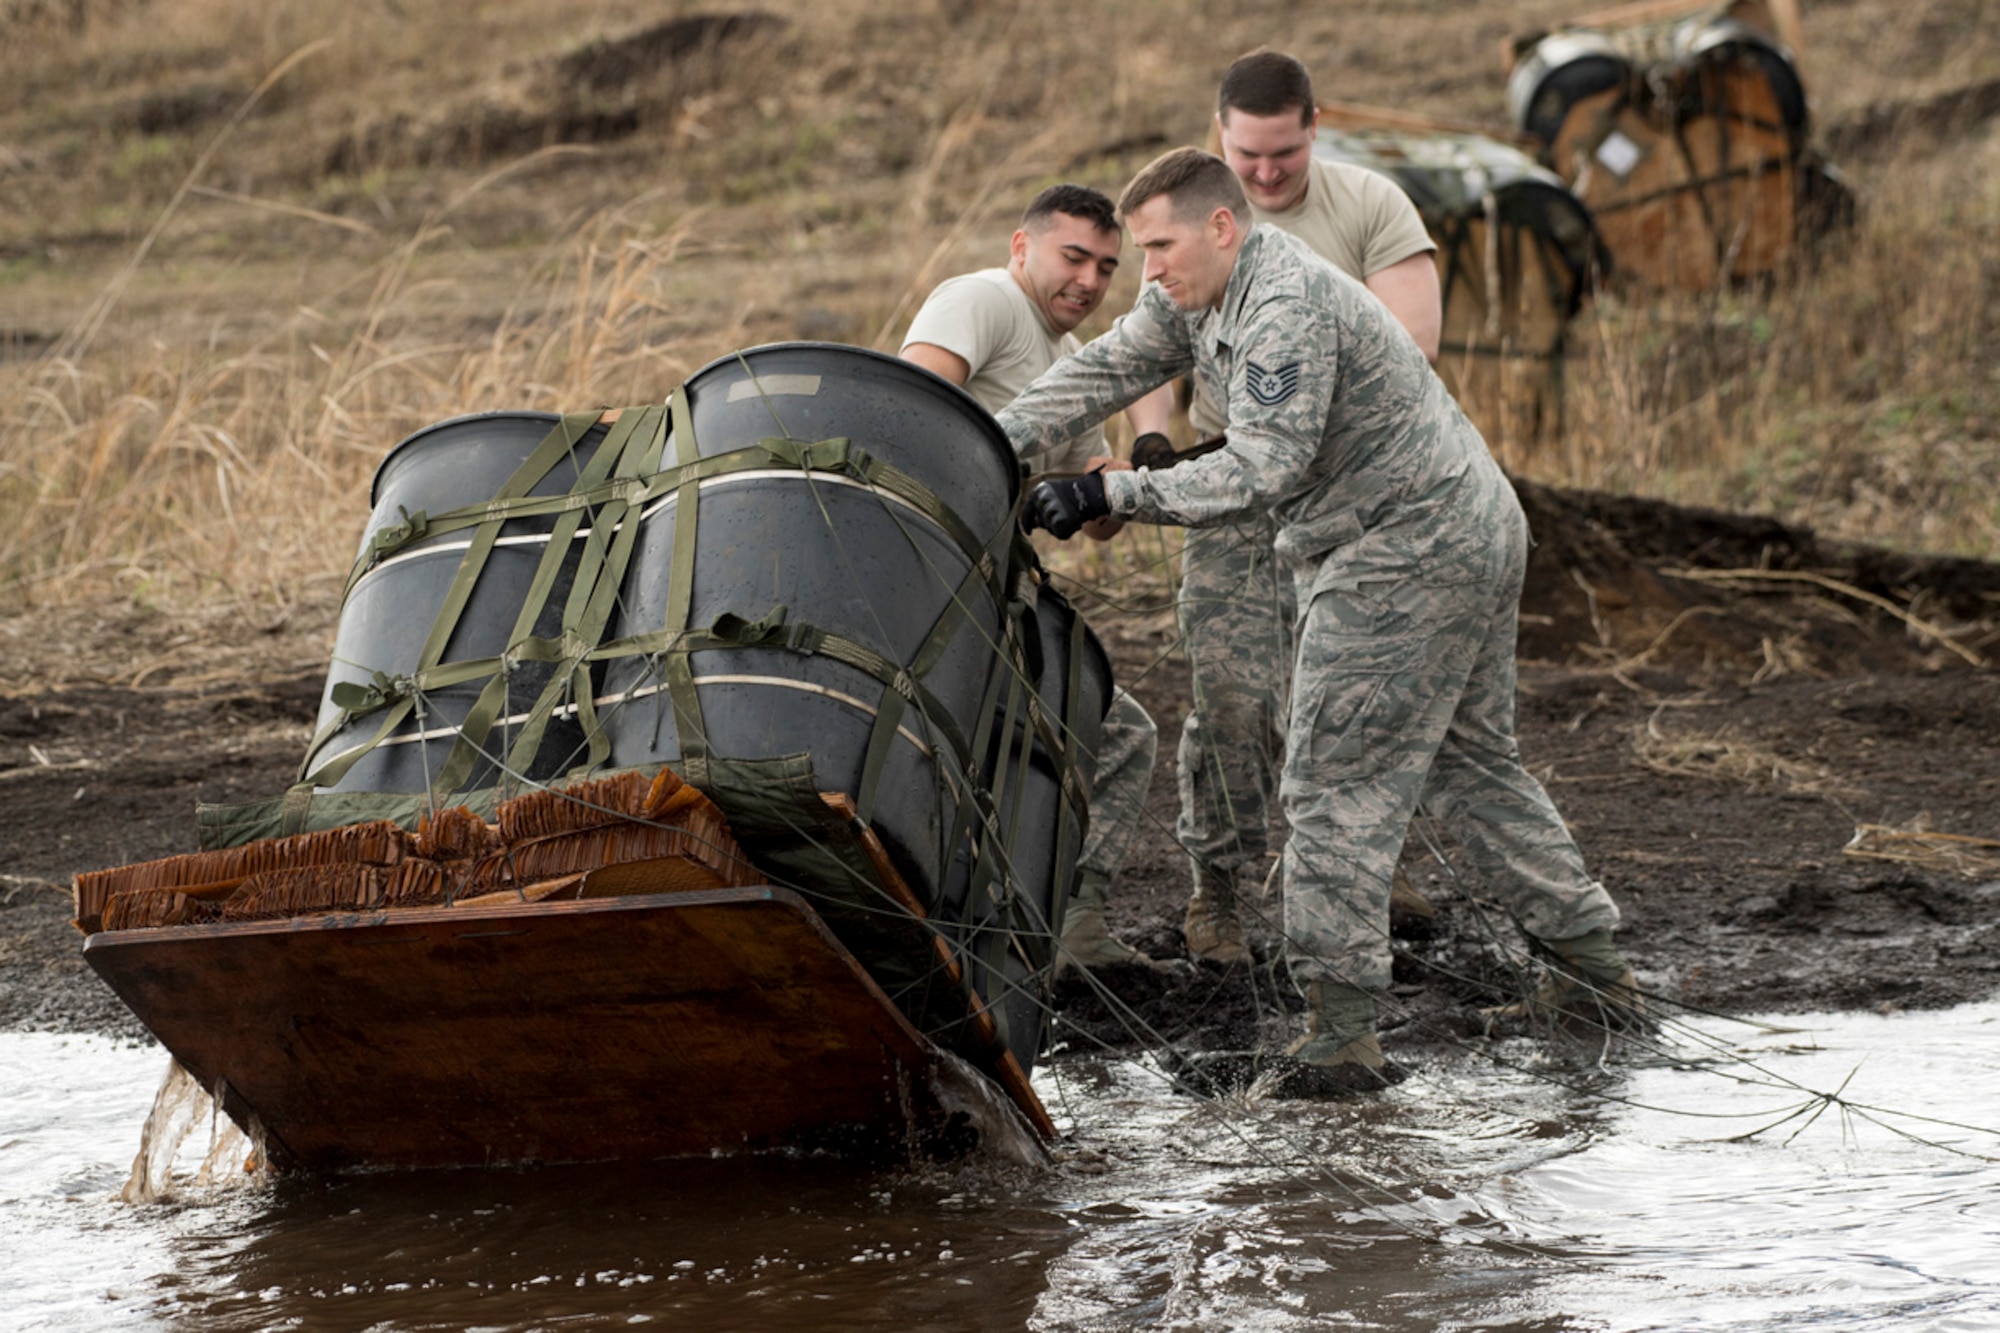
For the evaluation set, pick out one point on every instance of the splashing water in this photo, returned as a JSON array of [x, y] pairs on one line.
[[1719, 1191], [179, 1108]]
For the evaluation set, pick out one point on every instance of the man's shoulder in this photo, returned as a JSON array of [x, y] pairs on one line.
[[1287, 262], [988, 288], [1293, 285], [1351, 177], [975, 316]]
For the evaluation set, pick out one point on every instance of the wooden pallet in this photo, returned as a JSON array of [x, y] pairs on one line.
[[617, 1028], [599, 975]]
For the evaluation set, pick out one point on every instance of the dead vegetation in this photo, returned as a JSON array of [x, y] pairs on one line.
[[1968, 858], [268, 241], [1726, 757]]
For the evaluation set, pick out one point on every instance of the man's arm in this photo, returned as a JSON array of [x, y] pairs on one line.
[[1398, 257], [1152, 414], [1410, 289], [1142, 351], [940, 362], [1281, 392]]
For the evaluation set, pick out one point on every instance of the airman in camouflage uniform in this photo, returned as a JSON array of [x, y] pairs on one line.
[[1407, 548], [1235, 601]]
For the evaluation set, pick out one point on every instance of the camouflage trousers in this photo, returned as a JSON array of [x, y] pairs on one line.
[[1236, 610], [1405, 690], [1125, 755]]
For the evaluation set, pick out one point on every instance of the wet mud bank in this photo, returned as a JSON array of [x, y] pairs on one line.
[[1783, 760]]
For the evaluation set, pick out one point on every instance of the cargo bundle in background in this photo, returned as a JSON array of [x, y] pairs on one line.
[[1685, 129], [1518, 256]]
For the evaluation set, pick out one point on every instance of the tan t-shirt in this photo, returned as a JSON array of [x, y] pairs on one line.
[[1359, 220], [988, 321]]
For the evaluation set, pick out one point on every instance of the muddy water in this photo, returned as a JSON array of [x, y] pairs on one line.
[[1482, 1194]]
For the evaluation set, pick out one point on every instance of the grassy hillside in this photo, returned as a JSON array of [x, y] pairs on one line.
[[244, 248]]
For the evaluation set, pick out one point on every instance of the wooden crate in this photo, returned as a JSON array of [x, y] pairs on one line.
[[1691, 159]]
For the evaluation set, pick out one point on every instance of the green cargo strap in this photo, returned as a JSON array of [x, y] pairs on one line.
[[633, 448], [468, 745], [594, 612], [399, 695], [770, 631], [1009, 670], [989, 700], [944, 629], [767, 630], [558, 444], [1075, 810], [294, 809], [841, 457], [967, 781], [994, 844], [1033, 660], [678, 664]]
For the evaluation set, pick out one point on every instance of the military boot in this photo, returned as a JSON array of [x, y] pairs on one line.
[[1211, 926], [1340, 1028], [1086, 940], [1339, 1056], [1587, 982], [1411, 916]]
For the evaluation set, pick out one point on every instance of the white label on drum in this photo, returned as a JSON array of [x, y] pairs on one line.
[[1619, 154], [771, 386]]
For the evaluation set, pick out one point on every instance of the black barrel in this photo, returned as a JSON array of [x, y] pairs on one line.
[[1563, 69], [389, 612], [1711, 46], [1007, 918], [835, 555]]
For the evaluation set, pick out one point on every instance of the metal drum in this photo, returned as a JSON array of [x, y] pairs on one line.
[[829, 553], [389, 612], [1714, 44], [1561, 70], [1007, 926]]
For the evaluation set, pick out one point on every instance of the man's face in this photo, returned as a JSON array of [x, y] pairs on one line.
[[1066, 268], [1189, 260], [1269, 154]]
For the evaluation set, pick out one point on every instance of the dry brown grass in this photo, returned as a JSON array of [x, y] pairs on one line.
[[1856, 396], [1723, 756], [176, 471], [222, 309], [1948, 853]]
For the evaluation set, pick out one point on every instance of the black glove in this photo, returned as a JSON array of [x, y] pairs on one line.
[[1153, 450], [1065, 506]]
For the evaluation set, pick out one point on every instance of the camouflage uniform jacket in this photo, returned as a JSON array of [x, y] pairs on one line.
[[1337, 425]]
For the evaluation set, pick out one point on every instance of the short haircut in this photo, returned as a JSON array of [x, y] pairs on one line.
[[1266, 83], [1198, 183], [1077, 201]]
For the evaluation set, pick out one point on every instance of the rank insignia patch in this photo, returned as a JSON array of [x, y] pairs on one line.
[[1271, 387]]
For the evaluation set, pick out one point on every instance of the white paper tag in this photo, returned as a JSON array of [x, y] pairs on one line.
[[771, 386], [1619, 154]]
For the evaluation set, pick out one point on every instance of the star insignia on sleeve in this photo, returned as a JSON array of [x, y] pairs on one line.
[[1271, 387]]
